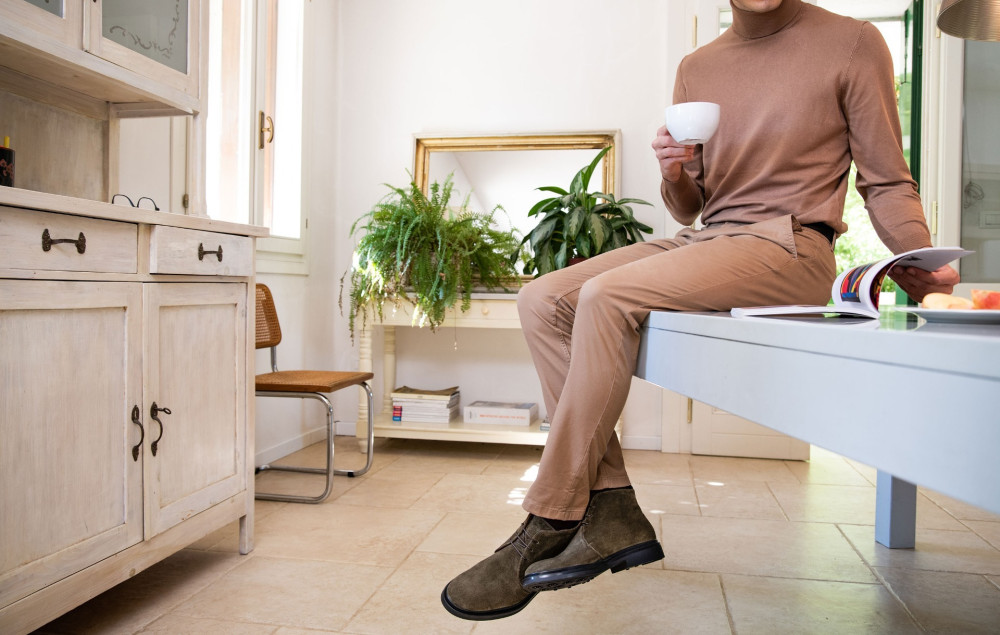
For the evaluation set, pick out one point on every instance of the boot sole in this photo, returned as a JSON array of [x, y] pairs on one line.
[[480, 616], [634, 556]]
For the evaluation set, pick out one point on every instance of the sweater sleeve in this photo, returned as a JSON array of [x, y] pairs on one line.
[[686, 197], [884, 180]]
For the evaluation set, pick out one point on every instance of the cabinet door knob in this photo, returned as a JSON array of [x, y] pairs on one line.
[[202, 252], [142, 433], [154, 410], [48, 241]]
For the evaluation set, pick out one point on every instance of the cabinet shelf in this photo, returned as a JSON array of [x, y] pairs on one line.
[[457, 430]]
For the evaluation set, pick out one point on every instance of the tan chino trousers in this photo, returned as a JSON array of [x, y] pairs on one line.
[[582, 327]]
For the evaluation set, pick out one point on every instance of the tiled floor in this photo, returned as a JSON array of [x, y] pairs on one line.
[[752, 546]]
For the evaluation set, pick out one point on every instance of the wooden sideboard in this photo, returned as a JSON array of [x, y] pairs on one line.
[[126, 374]]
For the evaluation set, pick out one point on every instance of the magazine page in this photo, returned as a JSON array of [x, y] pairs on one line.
[[860, 286], [855, 291]]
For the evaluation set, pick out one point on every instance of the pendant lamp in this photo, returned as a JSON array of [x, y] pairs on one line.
[[971, 19]]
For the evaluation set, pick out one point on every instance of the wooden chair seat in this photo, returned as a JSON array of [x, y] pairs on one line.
[[311, 380]]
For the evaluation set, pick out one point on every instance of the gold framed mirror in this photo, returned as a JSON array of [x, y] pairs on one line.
[[507, 170]]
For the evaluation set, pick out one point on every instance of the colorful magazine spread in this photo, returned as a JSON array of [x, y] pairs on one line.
[[855, 291]]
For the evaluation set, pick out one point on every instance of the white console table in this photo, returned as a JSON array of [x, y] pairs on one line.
[[918, 401], [488, 310]]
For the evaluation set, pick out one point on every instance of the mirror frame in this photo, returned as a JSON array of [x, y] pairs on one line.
[[426, 145]]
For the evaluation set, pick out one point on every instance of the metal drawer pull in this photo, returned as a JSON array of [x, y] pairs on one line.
[[142, 433], [153, 411], [47, 242], [202, 253]]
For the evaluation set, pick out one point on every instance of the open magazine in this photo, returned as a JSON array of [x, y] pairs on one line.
[[855, 291]]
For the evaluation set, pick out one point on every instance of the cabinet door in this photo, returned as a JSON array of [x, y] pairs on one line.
[[159, 39], [70, 371], [57, 20], [195, 367]]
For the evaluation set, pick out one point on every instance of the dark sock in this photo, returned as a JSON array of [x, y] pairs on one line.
[[559, 525]]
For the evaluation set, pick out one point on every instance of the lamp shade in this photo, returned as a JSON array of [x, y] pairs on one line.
[[971, 19]]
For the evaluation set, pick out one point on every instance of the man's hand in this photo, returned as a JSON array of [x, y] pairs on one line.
[[917, 283], [671, 155]]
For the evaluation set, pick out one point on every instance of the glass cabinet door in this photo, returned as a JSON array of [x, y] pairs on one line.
[[158, 39], [61, 20], [980, 228], [155, 29]]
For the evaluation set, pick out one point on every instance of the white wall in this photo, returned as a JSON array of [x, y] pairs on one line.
[[395, 68]]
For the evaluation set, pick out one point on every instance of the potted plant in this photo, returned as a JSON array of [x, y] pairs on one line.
[[578, 224], [417, 248]]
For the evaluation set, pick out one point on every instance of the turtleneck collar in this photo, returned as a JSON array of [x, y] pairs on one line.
[[750, 25]]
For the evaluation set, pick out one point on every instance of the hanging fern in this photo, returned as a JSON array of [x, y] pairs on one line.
[[414, 248]]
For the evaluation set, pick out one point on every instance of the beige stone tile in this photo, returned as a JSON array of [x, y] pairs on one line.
[[516, 460], [826, 468], [344, 533], [959, 509], [738, 499], [761, 547], [472, 534], [279, 592], [474, 493], [658, 468], [131, 605], [869, 473], [722, 469], [849, 505], [197, 626], [779, 605], [960, 551], [636, 601], [657, 500], [447, 457], [390, 488], [410, 599], [284, 630], [947, 602], [988, 531]]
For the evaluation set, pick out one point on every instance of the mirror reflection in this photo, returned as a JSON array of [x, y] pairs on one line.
[[508, 170]]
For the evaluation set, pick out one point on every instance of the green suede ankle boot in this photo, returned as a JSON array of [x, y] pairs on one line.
[[492, 589], [614, 534]]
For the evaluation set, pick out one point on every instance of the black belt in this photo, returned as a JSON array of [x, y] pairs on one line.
[[822, 228]]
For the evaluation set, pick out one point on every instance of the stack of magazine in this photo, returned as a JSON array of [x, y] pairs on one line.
[[417, 405]]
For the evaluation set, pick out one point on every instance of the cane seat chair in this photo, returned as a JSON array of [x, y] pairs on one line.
[[305, 384]]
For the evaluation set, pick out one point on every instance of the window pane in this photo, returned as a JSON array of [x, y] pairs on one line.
[[152, 28], [227, 181], [286, 203], [981, 164]]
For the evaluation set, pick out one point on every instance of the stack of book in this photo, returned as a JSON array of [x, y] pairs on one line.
[[513, 414], [416, 405]]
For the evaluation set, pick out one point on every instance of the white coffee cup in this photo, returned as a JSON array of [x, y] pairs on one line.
[[692, 122]]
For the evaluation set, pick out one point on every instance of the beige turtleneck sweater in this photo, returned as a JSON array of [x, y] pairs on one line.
[[802, 92]]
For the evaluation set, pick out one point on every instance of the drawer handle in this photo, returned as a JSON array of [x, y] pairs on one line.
[[202, 253], [153, 411], [142, 433], [48, 241]]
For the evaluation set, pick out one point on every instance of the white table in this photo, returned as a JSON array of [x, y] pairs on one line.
[[918, 401]]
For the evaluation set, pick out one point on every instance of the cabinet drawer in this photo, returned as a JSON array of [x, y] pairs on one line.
[[60, 242], [191, 252]]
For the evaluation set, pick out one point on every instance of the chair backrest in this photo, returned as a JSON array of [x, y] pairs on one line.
[[268, 329]]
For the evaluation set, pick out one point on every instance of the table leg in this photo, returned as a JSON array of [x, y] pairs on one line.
[[364, 366], [895, 512]]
